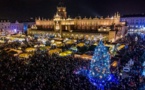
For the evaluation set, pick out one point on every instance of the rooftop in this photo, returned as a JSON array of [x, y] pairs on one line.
[[134, 15]]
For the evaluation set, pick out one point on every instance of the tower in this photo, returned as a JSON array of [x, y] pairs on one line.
[[61, 10], [57, 21]]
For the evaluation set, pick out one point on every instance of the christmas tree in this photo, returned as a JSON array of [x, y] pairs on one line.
[[100, 64], [99, 73], [143, 73]]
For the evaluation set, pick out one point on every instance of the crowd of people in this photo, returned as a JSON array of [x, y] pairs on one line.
[[51, 72], [134, 51]]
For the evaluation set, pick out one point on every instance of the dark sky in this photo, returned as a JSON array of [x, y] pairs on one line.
[[17, 9]]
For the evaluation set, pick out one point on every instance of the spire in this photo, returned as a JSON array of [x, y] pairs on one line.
[[80, 17], [108, 16], [96, 16], [61, 3], [115, 15], [39, 18], [118, 15], [16, 22], [57, 15], [90, 17]]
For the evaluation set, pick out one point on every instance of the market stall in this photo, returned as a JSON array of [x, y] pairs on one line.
[[84, 56], [80, 44], [30, 49], [120, 47], [24, 55], [54, 51], [13, 52], [70, 42], [65, 53], [57, 44]]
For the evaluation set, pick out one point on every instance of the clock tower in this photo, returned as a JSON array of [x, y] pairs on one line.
[[61, 10]]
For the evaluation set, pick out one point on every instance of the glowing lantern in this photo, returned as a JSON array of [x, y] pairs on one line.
[[114, 64]]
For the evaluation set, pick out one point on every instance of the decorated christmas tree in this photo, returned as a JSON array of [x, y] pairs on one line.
[[99, 72], [100, 64]]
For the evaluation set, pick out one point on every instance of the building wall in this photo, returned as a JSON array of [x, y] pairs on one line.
[[82, 23], [10, 28], [4, 25], [68, 34], [16, 27], [27, 25], [67, 23], [134, 22]]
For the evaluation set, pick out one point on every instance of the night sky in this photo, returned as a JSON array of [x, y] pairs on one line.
[[17, 9]]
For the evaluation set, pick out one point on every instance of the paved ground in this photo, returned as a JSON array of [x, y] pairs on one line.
[[124, 75]]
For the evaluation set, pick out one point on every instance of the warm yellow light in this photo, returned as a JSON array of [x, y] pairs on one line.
[[114, 64]]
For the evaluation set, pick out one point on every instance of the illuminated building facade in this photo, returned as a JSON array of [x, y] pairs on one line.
[[16, 27], [135, 23], [7, 27], [78, 26], [81, 24], [4, 25]]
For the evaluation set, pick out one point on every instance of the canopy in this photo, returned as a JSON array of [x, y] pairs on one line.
[[1, 41], [80, 44], [65, 53], [54, 51], [120, 47], [74, 48], [30, 49], [47, 47], [84, 56], [13, 50], [41, 45], [70, 42], [24, 55], [58, 44]]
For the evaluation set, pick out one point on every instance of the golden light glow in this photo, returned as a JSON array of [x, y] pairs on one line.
[[66, 53], [30, 49], [114, 64], [24, 55]]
